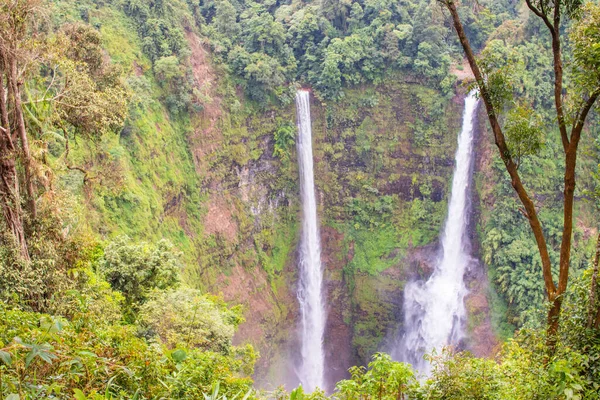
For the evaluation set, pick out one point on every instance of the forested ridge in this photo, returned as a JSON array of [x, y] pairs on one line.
[[148, 186]]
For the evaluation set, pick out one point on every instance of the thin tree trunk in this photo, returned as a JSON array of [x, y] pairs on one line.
[[9, 196], [511, 167], [15, 90], [567, 236], [9, 184], [553, 293]]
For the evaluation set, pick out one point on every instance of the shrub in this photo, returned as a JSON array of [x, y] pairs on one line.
[[187, 318], [136, 269]]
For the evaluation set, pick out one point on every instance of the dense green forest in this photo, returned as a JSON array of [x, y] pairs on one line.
[[150, 209]]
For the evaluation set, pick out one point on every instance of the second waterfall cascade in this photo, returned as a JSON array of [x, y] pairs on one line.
[[310, 288], [434, 311]]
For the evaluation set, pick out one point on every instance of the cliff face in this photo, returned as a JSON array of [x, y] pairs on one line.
[[220, 184], [383, 160]]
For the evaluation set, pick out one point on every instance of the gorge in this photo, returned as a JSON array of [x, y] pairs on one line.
[[218, 199]]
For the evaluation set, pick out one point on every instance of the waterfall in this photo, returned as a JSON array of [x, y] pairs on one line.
[[434, 311], [310, 294]]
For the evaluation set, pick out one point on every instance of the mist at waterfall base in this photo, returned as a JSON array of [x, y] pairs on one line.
[[310, 287], [434, 310]]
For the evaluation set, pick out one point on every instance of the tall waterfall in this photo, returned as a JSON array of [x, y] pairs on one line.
[[310, 293], [434, 311]]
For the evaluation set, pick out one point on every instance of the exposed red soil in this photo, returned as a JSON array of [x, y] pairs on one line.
[[137, 69], [463, 71], [483, 341], [263, 325], [207, 136], [219, 219]]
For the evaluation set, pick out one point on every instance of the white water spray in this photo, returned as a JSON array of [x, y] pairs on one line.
[[434, 311], [310, 293]]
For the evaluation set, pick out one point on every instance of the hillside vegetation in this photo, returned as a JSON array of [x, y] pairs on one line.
[[150, 208]]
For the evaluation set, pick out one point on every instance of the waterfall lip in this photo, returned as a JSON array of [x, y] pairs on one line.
[[434, 310]]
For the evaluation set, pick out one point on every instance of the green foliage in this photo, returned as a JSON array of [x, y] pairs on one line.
[[92, 97], [136, 269], [509, 249], [383, 379], [499, 64], [299, 394], [577, 336], [283, 140], [373, 233], [371, 176], [518, 67], [188, 319], [85, 349], [585, 36], [167, 69], [57, 246], [523, 131], [216, 396], [47, 357], [334, 46], [159, 26]]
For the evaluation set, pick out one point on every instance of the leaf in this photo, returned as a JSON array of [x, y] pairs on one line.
[[569, 393], [136, 395], [79, 395], [13, 396], [41, 352], [30, 356], [88, 354], [247, 395], [215, 394], [179, 355], [5, 357], [48, 357], [52, 324]]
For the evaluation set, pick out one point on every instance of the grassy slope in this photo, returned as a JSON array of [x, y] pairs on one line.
[[155, 191]]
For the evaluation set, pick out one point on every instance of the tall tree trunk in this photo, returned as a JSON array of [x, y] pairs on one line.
[[552, 291], [10, 198], [15, 90], [553, 320]]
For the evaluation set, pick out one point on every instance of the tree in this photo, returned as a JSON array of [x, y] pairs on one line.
[[15, 26], [583, 96], [384, 379], [16, 54], [186, 318], [136, 269], [47, 81], [9, 183]]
